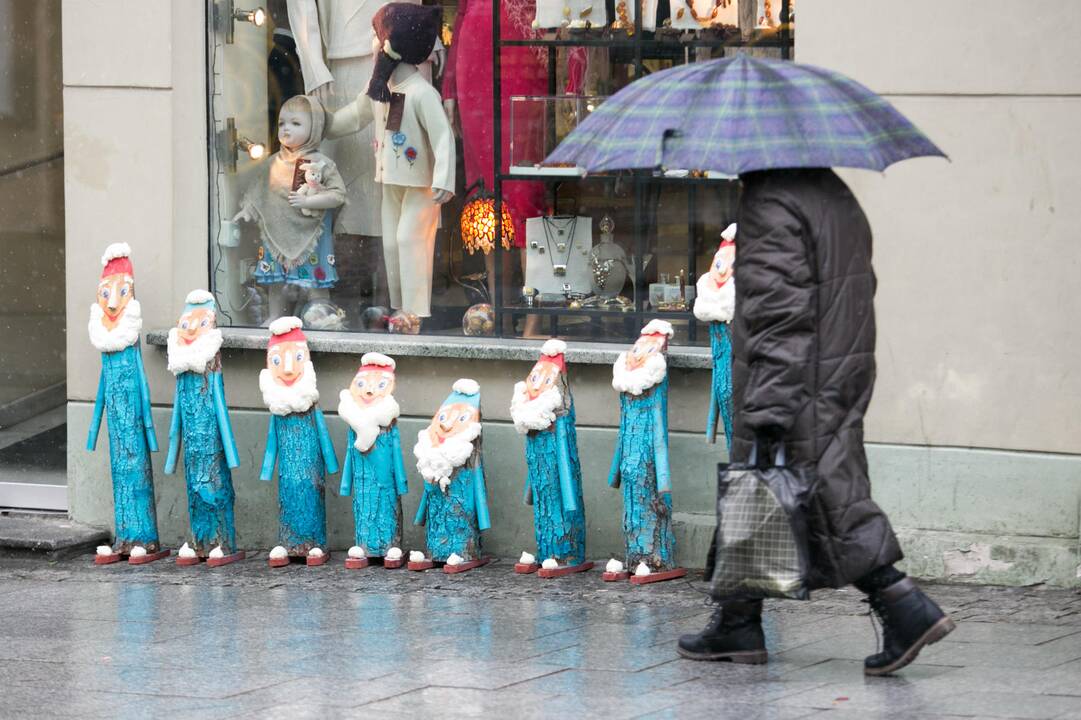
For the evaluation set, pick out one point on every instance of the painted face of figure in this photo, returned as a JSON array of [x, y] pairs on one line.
[[543, 376], [286, 361], [451, 420], [114, 294], [723, 263], [371, 385], [294, 128], [645, 347], [195, 323]]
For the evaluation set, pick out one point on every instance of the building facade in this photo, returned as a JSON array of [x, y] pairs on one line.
[[972, 435]]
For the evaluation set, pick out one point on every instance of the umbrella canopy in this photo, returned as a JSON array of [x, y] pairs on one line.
[[741, 114]]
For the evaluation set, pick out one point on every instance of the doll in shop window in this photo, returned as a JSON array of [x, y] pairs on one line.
[[292, 206]]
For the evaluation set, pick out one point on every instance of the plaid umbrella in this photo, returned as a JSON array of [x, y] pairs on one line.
[[741, 114]]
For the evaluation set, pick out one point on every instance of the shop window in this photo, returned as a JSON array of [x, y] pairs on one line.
[[588, 258]]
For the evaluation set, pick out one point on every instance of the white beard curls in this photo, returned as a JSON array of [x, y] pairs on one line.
[[367, 420], [287, 399], [126, 332], [538, 414], [436, 463], [715, 304], [638, 381], [195, 357]]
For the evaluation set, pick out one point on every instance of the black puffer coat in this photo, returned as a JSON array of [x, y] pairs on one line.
[[803, 354]]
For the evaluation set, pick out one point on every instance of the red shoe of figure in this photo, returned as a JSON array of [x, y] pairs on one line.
[[561, 570], [464, 566], [316, 557], [614, 572], [418, 562], [145, 557], [105, 555], [219, 560]]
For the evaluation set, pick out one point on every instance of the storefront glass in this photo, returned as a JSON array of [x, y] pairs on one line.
[[299, 224]]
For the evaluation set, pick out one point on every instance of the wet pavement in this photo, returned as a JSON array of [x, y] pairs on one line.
[[78, 641]]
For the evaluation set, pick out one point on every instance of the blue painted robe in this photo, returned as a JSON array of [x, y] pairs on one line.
[[455, 519], [720, 399], [124, 397], [640, 464], [554, 488], [201, 423], [376, 479], [300, 446]]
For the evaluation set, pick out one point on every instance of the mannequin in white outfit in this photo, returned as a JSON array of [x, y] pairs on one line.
[[334, 44], [414, 149]]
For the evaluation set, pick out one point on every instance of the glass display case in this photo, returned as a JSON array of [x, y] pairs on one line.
[[538, 124]]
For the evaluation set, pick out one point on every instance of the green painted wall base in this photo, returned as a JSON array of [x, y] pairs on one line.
[[962, 515]]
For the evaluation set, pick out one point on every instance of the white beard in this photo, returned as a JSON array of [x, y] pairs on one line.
[[367, 420], [436, 463], [638, 381], [715, 304], [536, 414], [126, 332], [195, 357], [287, 399]]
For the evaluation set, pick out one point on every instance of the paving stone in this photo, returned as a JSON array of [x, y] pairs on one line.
[[1008, 705]]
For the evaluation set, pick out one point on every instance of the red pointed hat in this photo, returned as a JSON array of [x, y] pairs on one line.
[[117, 260], [660, 328], [286, 329], [552, 352], [728, 237], [376, 361]]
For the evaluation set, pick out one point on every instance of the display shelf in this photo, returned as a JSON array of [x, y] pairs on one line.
[[633, 49]]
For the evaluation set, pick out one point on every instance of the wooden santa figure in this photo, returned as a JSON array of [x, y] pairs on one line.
[[373, 472], [715, 303], [640, 463], [454, 506], [124, 399], [201, 425], [543, 411], [298, 443]]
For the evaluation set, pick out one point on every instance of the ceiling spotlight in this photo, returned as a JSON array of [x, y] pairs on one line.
[[226, 16], [230, 145], [256, 17]]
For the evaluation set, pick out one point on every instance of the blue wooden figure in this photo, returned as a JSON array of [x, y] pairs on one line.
[[298, 443], [640, 463], [373, 472], [543, 410], [201, 424], [715, 303], [454, 505], [124, 397]]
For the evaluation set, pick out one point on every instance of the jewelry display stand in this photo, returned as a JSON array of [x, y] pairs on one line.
[[632, 44]]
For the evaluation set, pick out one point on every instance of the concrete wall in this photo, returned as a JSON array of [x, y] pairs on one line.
[[975, 261], [978, 257]]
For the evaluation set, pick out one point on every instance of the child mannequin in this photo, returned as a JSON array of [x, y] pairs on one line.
[[296, 246], [414, 148]]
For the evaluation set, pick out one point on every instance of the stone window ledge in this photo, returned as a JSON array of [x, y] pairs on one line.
[[434, 346]]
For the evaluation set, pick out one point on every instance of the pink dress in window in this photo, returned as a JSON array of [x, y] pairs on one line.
[[468, 79]]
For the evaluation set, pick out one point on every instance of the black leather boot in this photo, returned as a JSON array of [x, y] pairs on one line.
[[734, 633], [910, 620]]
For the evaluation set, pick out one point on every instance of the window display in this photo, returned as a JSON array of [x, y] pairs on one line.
[[358, 221]]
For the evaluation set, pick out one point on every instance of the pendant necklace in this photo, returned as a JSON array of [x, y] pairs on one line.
[[562, 242]]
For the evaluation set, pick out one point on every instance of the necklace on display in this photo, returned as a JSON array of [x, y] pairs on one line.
[[566, 245]]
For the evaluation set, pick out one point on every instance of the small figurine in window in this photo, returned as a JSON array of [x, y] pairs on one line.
[[414, 148], [298, 443], [294, 217], [640, 462], [201, 424], [454, 505], [124, 397], [543, 411], [715, 303], [373, 471]]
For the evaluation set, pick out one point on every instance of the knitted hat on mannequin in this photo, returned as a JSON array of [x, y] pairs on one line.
[[553, 352], [464, 391], [117, 260], [406, 33], [377, 362]]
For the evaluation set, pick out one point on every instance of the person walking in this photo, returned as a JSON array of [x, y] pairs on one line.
[[803, 372]]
